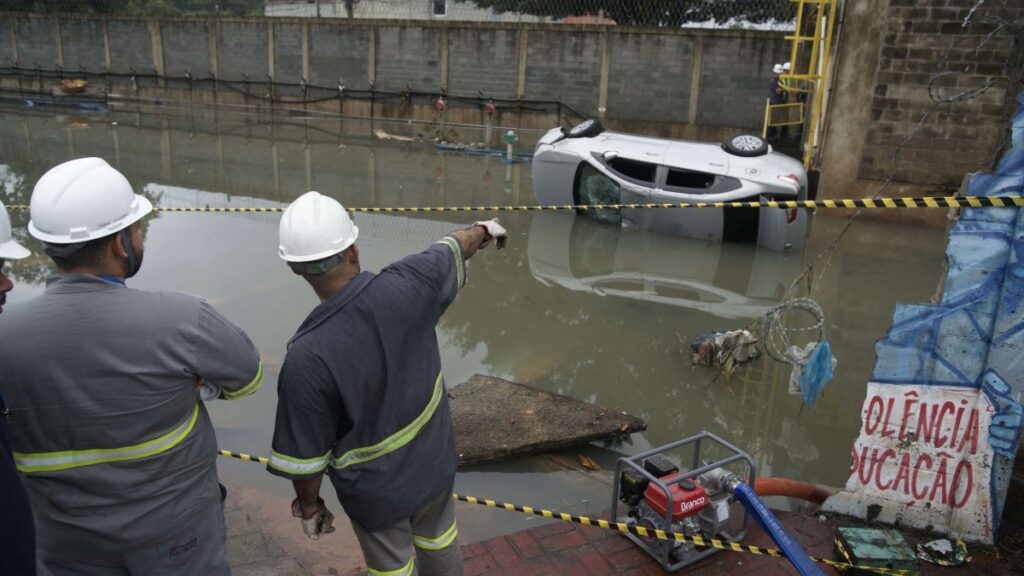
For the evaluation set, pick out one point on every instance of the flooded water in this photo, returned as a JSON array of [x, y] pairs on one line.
[[571, 306]]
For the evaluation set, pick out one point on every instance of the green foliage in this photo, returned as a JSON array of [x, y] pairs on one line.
[[651, 12], [140, 7]]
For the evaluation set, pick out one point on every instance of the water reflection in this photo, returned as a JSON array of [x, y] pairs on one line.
[[571, 306], [727, 280]]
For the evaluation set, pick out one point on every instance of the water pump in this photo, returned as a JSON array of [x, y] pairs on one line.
[[658, 495], [698, 502]]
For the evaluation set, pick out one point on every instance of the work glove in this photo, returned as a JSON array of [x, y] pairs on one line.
[[321, 522], [494, 231]]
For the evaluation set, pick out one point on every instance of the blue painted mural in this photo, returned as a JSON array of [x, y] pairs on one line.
[[949, 374]]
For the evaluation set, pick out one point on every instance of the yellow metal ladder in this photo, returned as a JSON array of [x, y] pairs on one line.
[[810, 53]]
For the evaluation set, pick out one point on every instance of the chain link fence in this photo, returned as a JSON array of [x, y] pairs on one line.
[[738, 14]]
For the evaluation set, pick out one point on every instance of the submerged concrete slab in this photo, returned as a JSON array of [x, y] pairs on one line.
[[496, 420]]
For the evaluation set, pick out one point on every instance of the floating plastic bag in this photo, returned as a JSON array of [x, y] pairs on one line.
[[817, 372]]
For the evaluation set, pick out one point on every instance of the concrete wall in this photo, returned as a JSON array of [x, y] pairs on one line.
[[663, 77], [395, 9], [888, 53]]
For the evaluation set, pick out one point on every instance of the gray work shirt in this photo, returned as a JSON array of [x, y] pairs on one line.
[[361, 395], [115, 447]]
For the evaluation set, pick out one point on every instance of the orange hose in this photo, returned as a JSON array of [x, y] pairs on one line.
[[792, 489]]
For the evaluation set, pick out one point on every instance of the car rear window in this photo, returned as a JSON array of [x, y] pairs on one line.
[[634, 169], [689, 179]]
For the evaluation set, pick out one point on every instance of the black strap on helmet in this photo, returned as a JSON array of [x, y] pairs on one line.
[[319, 266]]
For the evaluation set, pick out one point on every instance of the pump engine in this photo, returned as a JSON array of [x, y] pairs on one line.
[[658, 496]]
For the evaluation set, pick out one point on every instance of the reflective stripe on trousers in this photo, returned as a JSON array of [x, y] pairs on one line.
[[443, 541], [66, 460], [403, 571]]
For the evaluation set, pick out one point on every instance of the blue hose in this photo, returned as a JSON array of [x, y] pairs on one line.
[[744, 493]]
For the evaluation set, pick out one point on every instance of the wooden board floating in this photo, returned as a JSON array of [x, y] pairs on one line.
[[496, 420]]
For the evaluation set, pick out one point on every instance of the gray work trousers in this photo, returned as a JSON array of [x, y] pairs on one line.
[[424, 545], [200, 548]]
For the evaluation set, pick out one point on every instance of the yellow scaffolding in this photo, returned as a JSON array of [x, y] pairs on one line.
[[810, 54]]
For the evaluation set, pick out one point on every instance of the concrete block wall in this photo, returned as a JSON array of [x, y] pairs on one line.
[[737, 76], [957, 138], [288, 53], [7, 54], [565, 67], [697, 78], [409, 56], [653, 76], [82, 45], [338, 53], [242, 50], [37, 42], [483, 60], [186, 48], [131, 47]]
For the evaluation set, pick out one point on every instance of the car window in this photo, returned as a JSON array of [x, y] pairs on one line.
[[593, 187], [634, 169], [679, 178]]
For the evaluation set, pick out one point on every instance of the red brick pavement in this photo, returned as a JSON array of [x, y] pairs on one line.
[[562, 548]]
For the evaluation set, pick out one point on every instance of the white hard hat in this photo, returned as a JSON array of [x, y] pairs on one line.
[[82, 200], [777, 69], [9, 249], [786, 67], [315, 227]]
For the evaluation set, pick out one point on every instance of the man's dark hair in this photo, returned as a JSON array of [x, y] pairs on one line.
[[88, 255]]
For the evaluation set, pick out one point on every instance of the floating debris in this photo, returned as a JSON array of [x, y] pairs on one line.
[[725, 350]]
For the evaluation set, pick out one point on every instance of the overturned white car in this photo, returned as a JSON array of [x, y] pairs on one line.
[[588, 165]]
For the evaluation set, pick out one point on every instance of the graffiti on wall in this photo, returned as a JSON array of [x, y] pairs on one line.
[[942, 417]]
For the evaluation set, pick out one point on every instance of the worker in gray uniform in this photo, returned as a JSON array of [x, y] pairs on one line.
[[361, 395], [17, 533], [105, 387]]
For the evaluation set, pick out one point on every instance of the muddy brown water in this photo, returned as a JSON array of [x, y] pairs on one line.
[[571, 306]]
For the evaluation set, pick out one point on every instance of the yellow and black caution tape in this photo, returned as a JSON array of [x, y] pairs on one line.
[[644, 532], [625, 528], [244, 456], [880, 203]]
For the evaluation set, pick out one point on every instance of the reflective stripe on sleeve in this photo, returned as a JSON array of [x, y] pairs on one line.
[[249, 388], [292, 465], [396, 440], [403, 571], [460, 263], [52, 461], [442, 541]]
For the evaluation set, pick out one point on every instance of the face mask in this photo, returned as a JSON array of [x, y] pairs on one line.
[[134, 256]]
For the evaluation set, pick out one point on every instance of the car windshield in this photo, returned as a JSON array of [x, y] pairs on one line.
[[593, 187]]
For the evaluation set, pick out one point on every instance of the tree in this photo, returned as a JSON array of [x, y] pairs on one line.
[[651, 12]]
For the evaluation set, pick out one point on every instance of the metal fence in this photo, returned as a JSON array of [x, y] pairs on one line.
[[740, 14]]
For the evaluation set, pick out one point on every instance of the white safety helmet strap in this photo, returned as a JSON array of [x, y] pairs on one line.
[[9, 248]]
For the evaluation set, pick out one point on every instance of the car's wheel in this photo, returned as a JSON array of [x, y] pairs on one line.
[[746, 145], [587, 128]]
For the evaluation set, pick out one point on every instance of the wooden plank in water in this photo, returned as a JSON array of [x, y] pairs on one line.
[[496, 420]]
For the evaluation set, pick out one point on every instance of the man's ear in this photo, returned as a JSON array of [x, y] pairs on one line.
[[115, 247], [353, 255]]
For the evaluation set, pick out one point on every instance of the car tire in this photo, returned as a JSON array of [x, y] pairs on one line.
[[586, 129], [746, 145]]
